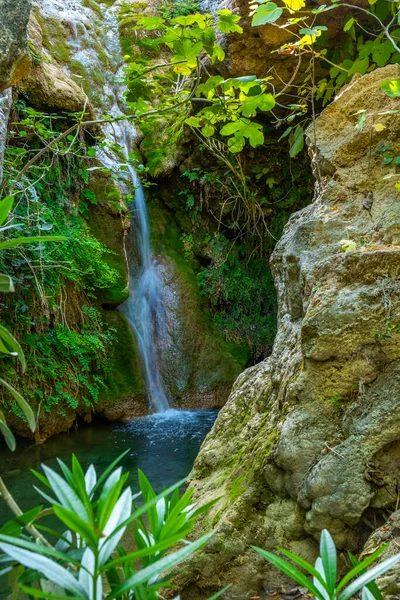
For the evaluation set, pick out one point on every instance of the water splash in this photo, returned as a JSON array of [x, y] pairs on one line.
[[145, 309]]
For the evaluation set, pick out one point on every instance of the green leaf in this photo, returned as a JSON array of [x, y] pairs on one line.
[[14, 346], [15, 525], [6, 284], [289, 570], [65, 494], [360, 567], [208, 130], [165, 564], [50, 569], [328, 557], [193, 121], [264, 102], [349, 24], [391, 87], [151, 23], [369, 576], [14, 243], [5, 207], [73, 522], [266, 13], [298, 141], [7, 433], [228, 22], [22, 403]]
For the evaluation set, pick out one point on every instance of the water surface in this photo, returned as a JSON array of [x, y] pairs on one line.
[[163, 445]]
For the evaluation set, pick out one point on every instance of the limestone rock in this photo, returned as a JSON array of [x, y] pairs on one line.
[[389, 533], [48, 86], [15, 61], [310, 438]]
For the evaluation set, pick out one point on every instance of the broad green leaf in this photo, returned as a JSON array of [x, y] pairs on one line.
[[22, 403], [228, 22], [266, 13], [251, 104], [151, 23], [12, 343], [6, 284], [208, 130], [49, 568], [5, 207], [193, 121]]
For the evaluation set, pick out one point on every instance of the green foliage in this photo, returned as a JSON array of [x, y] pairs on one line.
[[93, 514], [324, 585], [67, 346], [242, 294]]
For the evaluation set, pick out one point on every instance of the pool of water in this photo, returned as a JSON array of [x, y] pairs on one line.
[[163, 445]]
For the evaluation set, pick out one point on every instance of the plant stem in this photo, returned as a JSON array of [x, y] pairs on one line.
[[13, 506]]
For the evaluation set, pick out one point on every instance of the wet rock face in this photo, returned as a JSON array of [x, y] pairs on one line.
[[14, 59], [310, 438]]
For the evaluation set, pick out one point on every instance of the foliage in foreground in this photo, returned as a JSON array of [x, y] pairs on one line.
[[88, 561], [324, 585]]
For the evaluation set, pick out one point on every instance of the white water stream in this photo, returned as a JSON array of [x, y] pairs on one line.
[[145, 308]]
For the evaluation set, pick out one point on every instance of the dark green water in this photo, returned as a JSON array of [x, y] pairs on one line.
[[163, 445]]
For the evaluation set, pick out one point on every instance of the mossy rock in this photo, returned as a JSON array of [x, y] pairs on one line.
[[108, 223], [123, 396], [203, 366]]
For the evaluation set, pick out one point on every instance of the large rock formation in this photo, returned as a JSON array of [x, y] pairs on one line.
[[15, 61], [309, 438]]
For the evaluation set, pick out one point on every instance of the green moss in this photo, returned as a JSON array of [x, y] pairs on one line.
[[217, 362], [106, 223], [161, 141], [55, 38], [237, 488], [122, 378], [93, 5]]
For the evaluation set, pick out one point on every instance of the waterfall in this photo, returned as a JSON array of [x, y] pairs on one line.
[[144, 308]]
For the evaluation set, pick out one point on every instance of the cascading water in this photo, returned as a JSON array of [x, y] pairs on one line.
[[144, 309]]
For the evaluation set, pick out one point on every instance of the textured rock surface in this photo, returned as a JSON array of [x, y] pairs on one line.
[[310, 438], [15, 61]]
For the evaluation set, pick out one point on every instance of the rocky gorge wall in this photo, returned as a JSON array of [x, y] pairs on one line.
[[73, 63], [309, 438]]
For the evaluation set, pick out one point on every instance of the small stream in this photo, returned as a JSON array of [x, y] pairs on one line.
[[163, 445]]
